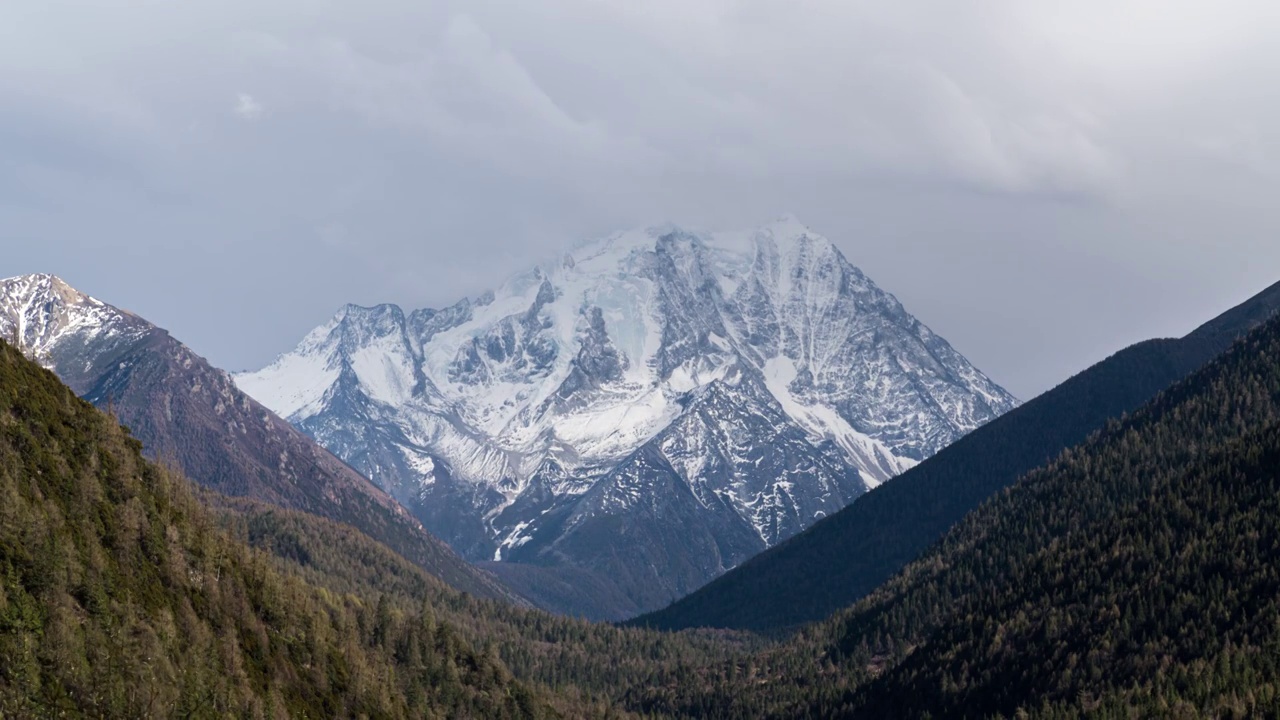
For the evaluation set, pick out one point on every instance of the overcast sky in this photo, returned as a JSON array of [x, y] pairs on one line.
[[1041, 182]]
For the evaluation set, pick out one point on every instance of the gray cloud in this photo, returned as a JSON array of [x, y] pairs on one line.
[[1040, 182]]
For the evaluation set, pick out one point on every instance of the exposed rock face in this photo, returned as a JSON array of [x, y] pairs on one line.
[[655, 407]]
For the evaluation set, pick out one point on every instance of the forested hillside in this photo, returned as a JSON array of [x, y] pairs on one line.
[[121, 597], [190, 415], [846, 556], [125, 591], [591, 668], [1139, 574], [1136, 576]]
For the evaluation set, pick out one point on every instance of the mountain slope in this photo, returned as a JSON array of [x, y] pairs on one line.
[[1139, 574], [558, 420], [191, 415], [120, 598], [590, 666], [842, 558]]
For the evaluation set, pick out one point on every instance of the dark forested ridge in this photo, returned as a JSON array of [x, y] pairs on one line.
[[846, 556], [1138, 575], [121, 597]]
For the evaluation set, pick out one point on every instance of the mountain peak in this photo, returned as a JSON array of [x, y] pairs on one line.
[[44, 285], [40, 310], [46, 291], [494, 418]]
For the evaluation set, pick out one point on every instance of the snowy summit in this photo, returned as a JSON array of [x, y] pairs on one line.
[[754, 381]]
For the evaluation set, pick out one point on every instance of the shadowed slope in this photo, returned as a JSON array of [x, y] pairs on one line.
[[846, 556]]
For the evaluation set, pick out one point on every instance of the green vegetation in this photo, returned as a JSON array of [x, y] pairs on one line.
[[1136, 576], [588, 666], [121, 597], [193, 417], [126, 591]]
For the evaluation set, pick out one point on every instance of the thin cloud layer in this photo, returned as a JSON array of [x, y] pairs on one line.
[[247, 108], [1041, 182]]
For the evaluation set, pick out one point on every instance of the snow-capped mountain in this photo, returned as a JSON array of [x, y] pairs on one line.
[[655, 406], [189, 413], [62, 328]]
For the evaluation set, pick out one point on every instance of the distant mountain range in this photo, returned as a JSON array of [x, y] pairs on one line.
[[639, 415], [191, 415], [846, 556]]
